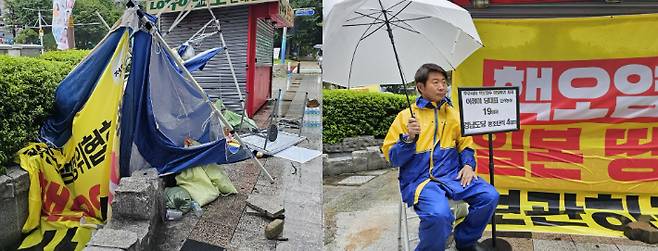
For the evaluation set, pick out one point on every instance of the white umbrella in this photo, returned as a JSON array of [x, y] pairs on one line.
[[365, 41]]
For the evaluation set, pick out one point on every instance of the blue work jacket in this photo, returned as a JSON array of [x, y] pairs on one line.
[[441, 135]]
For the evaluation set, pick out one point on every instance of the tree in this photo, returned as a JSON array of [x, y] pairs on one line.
[[23, 13], [27, 36], [84, 11], [307, 30]]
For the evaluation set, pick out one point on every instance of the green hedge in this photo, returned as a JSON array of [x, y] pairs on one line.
[[347, 113], [70, 57], [27, 92]]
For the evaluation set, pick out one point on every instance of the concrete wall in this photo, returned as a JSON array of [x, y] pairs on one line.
[[352, 144], [27, 50], [13, 206], [358, 161]]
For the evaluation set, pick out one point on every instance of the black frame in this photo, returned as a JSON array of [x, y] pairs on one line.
[[461, 107]]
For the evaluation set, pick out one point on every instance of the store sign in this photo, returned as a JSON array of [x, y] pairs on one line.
[[164, 6], [304, 12]]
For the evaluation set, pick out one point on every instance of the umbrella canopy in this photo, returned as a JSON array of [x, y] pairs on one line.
[[358, 49]]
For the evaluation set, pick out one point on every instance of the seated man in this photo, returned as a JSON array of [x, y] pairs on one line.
[[436, 164]]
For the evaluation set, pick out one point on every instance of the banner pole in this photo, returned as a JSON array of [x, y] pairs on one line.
[[491, 179]]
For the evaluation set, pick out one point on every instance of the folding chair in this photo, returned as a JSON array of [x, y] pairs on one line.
[[458, 208]]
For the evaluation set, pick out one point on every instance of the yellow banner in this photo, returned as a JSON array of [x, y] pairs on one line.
[[588, 102], [70, 188], [571, 212]]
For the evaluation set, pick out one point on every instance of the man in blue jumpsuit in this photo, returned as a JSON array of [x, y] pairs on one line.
[[437, 163]]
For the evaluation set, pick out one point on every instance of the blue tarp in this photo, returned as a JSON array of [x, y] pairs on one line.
[[73, 92], [161, 109], [199, 61]]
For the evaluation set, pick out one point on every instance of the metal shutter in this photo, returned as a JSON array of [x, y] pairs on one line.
[[264, 42], [216, 78]]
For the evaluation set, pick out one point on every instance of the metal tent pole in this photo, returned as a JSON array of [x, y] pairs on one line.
[[230, 62], [180, 64]]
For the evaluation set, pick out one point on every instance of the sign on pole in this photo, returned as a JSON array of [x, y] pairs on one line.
[[304, 12], [489, 110]]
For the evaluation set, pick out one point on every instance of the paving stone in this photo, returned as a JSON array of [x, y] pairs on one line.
[[375, 172], [547, 245], [600, 240], [519, 243], [595, 247], [551, 236], [267, 205], [355, 180], [143, 230], [636, 248], [113, 238], [95, 248]]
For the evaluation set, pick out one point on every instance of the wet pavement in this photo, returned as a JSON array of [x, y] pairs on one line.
[[366, 217]]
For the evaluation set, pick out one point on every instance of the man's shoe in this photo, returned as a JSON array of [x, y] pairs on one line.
[[477, 247]]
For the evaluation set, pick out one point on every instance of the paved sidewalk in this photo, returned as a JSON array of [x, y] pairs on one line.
[[365, 218], [225, 221]]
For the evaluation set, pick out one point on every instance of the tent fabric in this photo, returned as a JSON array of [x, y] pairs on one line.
[[162, 109], [75, 89], [199, 61], [131, 99]]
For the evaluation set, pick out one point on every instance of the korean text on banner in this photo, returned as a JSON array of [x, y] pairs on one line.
[[70, 188], [588, 106]]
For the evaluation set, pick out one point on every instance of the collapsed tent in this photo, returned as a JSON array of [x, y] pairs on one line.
[[161, 109], [106, 127]]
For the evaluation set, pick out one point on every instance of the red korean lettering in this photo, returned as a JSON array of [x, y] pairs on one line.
[[506, 162], [555, 142], [631, 138], [633, 169], [55, 198]]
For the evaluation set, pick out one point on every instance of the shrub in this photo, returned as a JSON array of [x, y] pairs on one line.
[[348, 113], [27, 91], [69, 57]]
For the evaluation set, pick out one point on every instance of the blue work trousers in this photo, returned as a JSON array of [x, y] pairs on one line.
[[436, 219]]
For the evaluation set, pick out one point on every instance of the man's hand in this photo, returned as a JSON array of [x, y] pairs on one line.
[[466, 175], [414, 128]]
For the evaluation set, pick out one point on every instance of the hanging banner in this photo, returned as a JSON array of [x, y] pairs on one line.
[[588, 112], [70, 188], [62, 10]]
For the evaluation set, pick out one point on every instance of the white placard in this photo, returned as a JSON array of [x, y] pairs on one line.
[[488, 110]]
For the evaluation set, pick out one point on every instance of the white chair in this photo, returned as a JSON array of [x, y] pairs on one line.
[[458, 208]]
